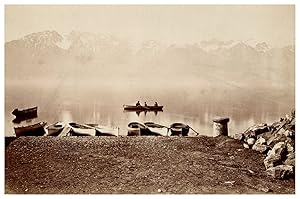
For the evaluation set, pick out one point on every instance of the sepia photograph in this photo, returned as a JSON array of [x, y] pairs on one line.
[[149, 99]]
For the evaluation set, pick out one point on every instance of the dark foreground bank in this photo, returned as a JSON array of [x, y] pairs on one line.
[[147, 165]]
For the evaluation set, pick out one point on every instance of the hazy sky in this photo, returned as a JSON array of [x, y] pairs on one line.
[[171, 24]]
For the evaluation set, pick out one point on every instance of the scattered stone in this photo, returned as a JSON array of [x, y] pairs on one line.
[[260, 147], [238, 136], [266, 189], [261, 140], [159, 190], [246, 146], [250, 141], [250, 171], [229, 182], [263, 188], [281, 171]]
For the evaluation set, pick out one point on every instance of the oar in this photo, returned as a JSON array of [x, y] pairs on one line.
[[193, 130]]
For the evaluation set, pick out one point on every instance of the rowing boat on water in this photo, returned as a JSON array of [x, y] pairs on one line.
[[179, 129], [81, 129], [25, 112], [157, 129], [31, 130], [142, 108]]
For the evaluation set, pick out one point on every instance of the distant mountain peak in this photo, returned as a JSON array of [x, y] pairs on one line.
[[38, 40], [262, 47], [42, 39]]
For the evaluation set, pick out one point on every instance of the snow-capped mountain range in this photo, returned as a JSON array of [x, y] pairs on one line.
[[49, 51], [96, 42]]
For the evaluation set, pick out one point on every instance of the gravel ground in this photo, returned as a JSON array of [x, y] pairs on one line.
[[142, 165]]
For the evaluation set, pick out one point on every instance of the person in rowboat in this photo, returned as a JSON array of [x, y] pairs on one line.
[[155, 104], [138, 103], [146, 104]]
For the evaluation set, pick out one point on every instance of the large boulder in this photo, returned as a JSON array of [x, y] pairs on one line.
[[262, 148], [261, 140], [272, 161], [279, 149], [260, 145], [256, 130], [281, 171], [276, 138], [245, 145], [250, 141], [290, 159], [276, 156], [290, 147], [266, 135]]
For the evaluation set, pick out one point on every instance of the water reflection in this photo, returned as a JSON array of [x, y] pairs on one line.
[[138, 112]]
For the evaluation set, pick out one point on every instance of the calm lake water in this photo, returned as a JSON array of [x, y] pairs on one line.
[[103, 104]]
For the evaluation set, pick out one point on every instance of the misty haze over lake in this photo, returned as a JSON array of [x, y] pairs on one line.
[[87, 76]]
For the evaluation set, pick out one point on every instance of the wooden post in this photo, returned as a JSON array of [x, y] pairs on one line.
[[220, 126]]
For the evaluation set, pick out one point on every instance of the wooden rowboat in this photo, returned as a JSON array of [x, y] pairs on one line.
[[25, 112], [55, 129], [105, 130], [157, 129], [142, 108], [137, 129], [31, 130], [178, 129], [81, 129]]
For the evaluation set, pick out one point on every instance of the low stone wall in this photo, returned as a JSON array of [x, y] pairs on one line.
[[277, 141]]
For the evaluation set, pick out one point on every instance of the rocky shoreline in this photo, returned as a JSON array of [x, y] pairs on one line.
[[277, 142]]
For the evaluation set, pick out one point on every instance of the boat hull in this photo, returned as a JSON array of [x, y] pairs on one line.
[[137, 129], [142, 108], [25, 114], [82, 130], [55, 129], [157, 129], [31, 130], [106, 131], [179, 129]]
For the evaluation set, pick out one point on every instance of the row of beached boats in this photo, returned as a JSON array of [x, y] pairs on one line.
[[76, 129], [151, 128], [66, 129]]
